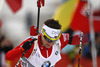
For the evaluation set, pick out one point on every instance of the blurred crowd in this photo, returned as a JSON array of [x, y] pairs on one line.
[[5, 46]]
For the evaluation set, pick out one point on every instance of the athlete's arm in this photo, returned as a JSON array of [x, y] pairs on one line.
[[16, 52], [73, 40]]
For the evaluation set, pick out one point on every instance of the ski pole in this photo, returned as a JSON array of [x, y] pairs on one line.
[[80, 49], [39, 2]]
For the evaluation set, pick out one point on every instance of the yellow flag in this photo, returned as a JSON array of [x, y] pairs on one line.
[[65, 13]]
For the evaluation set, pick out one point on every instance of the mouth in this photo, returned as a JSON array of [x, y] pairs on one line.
[[48, 46]]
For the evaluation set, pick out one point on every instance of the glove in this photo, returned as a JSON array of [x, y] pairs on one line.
[[27, 45], [33, 31]]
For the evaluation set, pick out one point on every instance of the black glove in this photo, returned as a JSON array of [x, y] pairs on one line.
[[27, 45]]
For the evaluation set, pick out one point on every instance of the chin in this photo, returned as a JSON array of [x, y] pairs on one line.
[[47, 46]]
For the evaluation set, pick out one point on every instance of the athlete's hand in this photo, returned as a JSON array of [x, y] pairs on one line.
[[27, 45]]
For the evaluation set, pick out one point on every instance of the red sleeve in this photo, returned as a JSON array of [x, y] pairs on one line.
[[64, 40], [15, 53], [73, 40], [76, 39]]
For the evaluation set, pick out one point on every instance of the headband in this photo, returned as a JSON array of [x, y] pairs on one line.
[[51, 33]]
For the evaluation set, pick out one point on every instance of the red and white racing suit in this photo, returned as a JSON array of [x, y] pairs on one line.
[[43, 57]]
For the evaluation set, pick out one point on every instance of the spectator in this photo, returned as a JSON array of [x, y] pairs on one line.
[[5, 46]]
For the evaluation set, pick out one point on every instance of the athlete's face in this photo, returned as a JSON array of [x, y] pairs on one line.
[[45, 43]]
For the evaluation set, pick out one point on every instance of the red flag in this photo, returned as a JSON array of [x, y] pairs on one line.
[[15, 5], [81, 20]]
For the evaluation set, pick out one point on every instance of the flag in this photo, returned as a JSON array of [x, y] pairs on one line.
[[15, 5], [72, 15], [65, 13], [81, 21]]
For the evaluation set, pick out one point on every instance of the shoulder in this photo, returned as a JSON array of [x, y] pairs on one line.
[[64, 37]]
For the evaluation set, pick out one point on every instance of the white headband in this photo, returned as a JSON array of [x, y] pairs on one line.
[[50, 32]]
